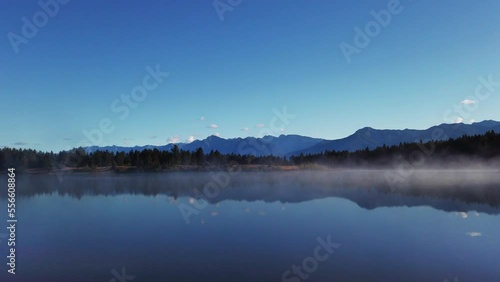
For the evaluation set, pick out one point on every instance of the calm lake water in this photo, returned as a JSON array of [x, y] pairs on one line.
[[341, 226]]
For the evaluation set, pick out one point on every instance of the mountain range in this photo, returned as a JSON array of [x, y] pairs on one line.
[[289, 145]]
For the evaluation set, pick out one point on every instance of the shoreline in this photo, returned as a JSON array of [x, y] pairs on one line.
[[254, 168]]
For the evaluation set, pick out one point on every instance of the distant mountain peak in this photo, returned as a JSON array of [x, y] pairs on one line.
[[214, 137], [364, 130], [486, 122], [371, 138], [286, 145]]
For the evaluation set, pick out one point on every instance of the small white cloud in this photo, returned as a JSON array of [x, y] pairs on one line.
[[467, 102], [217, 134], [464, 215], [213, 126], [245, 129], [474, 234], [214, 213], [472, 120], [260, 125], [459, 120], [202, 118], [282, 129], [190, 139], [173, 139]]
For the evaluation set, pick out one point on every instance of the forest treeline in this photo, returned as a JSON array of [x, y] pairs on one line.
[[477, 147], [470, 149], [147, 158]]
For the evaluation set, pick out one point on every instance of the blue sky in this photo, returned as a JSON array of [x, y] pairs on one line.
[[264, 55]]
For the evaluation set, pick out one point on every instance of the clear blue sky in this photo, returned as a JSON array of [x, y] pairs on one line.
[[263, 55]]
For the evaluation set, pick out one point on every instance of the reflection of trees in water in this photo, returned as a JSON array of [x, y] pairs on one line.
[[445, 190]]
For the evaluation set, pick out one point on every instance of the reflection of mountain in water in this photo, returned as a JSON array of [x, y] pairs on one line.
[[444, 190]]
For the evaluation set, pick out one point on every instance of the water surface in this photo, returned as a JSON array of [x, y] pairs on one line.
[[255, 227]]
